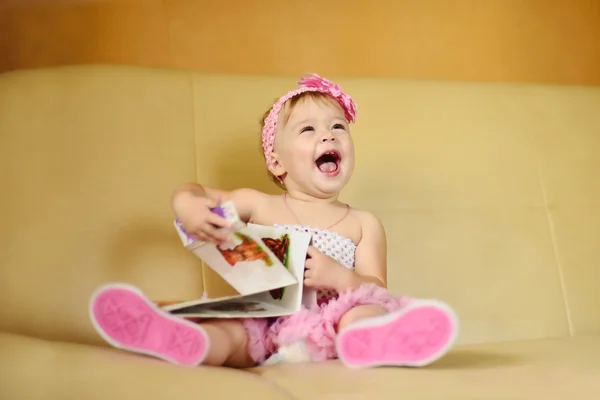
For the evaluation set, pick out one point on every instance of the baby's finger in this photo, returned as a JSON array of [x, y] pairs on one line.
[[206, 236], [308, 265], [217, 221], [308, 282], [213, 240], [314, 252], [216, 234], [201, 236]]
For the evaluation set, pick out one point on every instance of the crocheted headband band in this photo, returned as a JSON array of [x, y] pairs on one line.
[[314, 83]]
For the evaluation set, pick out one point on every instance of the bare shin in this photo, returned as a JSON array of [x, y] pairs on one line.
[[228, 344], [359, 313]]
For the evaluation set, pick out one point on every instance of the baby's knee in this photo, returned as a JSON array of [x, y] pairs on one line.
[[358, 313], [231, 329], [229, 343], [237, 333]]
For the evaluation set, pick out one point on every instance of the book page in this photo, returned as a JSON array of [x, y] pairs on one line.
[[188, 304], [290, 248], [264, 264], [245, 262], [244, 307]]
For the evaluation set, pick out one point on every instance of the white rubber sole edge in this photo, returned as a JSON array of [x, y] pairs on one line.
[[385, 319], [155, 308]]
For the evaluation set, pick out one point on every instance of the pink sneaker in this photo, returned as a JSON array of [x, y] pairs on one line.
[[127, 320], [415, 336]]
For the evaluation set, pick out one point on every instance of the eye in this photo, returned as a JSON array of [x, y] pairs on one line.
[[339, 126], [307, 128]]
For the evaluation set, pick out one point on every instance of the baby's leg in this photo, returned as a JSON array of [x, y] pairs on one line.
[[126, 319], [228, 344], [415, 335], [359, 313]]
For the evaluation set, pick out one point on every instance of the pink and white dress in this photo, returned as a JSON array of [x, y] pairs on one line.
[[413, 333]]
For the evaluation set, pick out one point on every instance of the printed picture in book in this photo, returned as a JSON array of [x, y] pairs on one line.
[[250, 250]]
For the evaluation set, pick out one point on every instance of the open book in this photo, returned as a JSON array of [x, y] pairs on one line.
[[264, 264]]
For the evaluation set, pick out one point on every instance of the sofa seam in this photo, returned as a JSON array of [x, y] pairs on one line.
[[192, 83], [553, 239]]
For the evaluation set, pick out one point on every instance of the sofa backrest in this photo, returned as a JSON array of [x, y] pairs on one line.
[[488, 192]]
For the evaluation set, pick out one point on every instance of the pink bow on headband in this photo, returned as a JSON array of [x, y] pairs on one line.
[[313, 83], [326, 86]]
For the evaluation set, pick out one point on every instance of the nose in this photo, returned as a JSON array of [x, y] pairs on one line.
[[328, 136]]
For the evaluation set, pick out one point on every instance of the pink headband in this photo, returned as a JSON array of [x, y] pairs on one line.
[[313, 84]]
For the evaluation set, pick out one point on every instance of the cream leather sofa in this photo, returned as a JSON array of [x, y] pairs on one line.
[[489, 194]]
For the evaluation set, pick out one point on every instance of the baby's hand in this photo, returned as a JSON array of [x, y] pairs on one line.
[[322, 271], [194, 212]]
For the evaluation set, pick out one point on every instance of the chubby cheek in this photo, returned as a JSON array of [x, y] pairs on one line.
[[303, 157], [290, 157], [306, 160], [348, 156], [297, 163]]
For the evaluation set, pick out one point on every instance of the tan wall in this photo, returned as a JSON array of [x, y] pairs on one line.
[[475, 40]]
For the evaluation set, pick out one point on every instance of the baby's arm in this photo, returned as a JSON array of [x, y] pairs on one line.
[[246, 200], [370, 262]]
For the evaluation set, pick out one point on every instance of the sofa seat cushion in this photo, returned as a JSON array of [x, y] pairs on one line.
[[36, 369], [539, 369]]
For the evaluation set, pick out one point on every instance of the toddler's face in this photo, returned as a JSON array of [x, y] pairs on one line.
[[314, 149]]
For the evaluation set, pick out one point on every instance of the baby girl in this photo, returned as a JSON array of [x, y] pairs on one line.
[[309, 152]]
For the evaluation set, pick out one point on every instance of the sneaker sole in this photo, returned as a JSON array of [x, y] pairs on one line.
[[415, 336], [127, 320]]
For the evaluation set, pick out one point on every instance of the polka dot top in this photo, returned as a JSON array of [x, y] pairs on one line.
[[332, 244]]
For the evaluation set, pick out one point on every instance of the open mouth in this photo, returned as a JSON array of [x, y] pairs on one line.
[[329, 161]]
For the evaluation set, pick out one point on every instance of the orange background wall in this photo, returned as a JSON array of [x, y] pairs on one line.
[[555, 41]]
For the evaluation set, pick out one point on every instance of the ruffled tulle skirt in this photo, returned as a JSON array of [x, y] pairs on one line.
[[316, 326]]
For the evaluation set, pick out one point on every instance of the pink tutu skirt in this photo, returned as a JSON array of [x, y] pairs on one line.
[[317, 326]]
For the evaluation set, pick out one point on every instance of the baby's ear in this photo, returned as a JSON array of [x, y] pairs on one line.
[[276, 167]]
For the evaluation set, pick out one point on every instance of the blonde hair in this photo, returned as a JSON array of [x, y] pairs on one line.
[[286, 111]]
